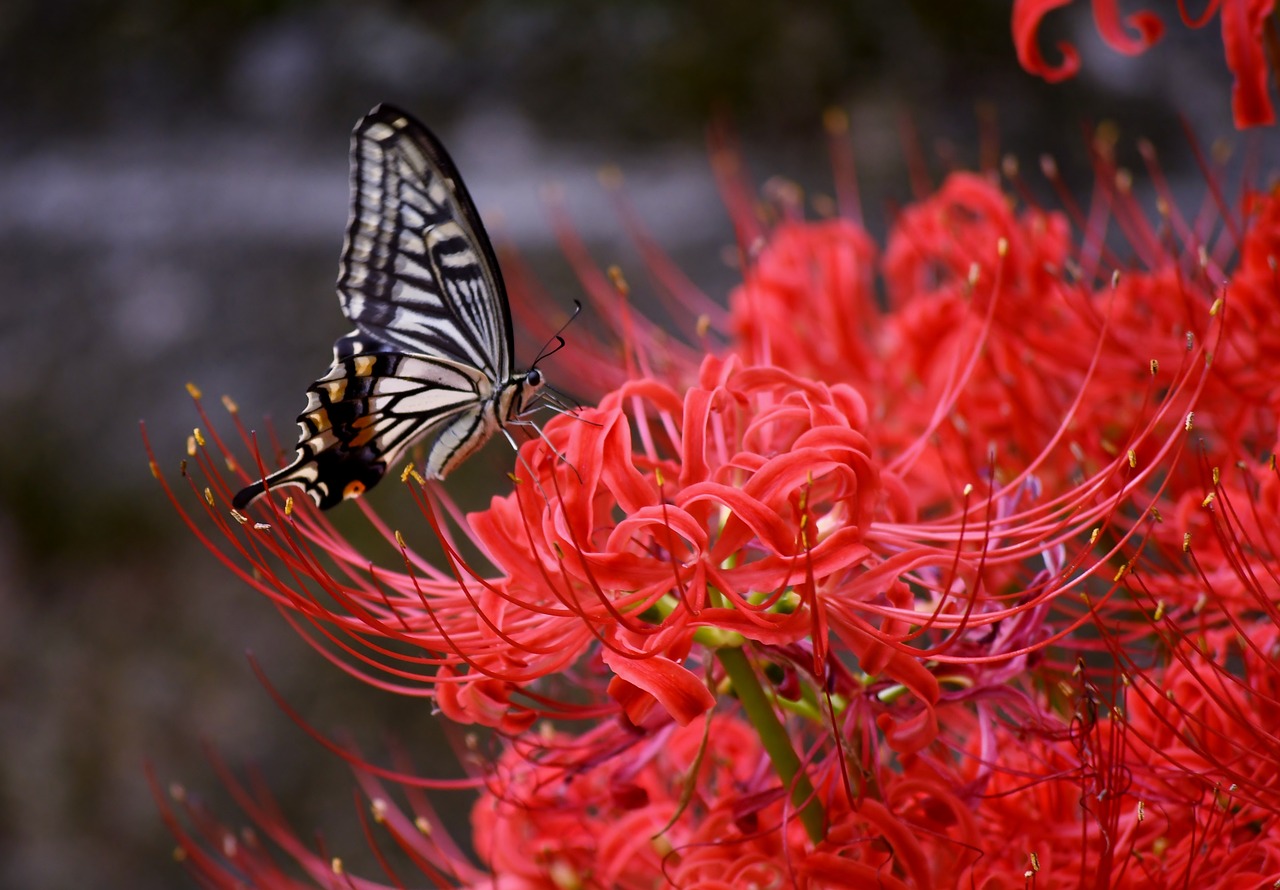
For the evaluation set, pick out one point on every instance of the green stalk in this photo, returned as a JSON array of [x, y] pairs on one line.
[[777, 743]]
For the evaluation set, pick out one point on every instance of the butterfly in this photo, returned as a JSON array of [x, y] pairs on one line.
[[431, 357]]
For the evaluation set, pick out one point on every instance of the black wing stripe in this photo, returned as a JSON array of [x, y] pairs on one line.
[[457, 267]]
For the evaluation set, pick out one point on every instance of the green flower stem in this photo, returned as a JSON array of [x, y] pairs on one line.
[[776, 742]]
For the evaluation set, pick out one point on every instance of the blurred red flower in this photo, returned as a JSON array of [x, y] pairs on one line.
[[1248, 35]]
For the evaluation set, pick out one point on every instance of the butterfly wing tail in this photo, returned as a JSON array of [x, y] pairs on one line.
[[328, 477], [246, 496]]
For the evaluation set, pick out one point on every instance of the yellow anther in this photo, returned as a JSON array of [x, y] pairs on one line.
[[619, 281]]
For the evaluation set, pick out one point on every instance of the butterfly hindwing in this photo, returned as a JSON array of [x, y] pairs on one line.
[[370, 407]]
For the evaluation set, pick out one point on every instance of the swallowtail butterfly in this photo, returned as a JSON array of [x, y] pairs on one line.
[[431, 357]]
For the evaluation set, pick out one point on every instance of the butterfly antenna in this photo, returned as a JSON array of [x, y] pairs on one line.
[[548, 350]]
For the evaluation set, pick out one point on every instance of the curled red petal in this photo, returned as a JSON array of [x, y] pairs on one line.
[[830, 870], [1201, 20], [771, 629], [634, 701], [618, 470], [484, 701], [907, 736], [1027, 15], [682, 694], [908, 850], [1243, 22], [1112, 26]]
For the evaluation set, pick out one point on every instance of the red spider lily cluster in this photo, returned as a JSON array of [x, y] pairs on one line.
[[1250, 38], [947, 561]]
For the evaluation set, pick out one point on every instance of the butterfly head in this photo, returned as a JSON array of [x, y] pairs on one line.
[[521, 395]]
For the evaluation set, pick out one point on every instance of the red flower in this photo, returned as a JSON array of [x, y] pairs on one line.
[[877, 596], [622, 821], [1246, 29]]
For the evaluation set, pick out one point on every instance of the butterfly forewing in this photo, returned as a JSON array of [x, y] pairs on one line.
[[431, 355], [417, 268]]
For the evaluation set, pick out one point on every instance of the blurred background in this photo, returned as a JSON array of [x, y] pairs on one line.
[[173, 193]]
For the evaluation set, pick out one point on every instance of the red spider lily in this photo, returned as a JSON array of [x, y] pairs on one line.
[[754, 506], [1248, 35], [644, 821], [1087, 811], [832, 599]]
